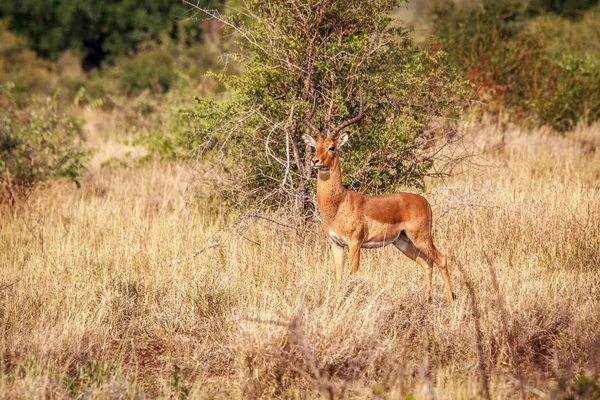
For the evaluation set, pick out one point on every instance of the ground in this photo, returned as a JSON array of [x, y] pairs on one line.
[[141, 284]]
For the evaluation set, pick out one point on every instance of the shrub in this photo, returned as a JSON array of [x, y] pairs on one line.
[[566, 8], [149, 70], [539, 71], [36, 144], [571, 62], [99, 29], [343, 54], [20, 65]]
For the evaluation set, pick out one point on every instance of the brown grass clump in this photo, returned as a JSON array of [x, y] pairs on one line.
[[141, 284]]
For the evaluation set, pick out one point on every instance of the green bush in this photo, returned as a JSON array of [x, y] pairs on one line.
[[565, 8], [20, 65], [571, 61], [36, 144], [538, 71], [258, 123], [148, 70], [161, 66], [98, 29]]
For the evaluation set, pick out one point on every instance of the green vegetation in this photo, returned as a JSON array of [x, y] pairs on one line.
[[21, 65], [36, 144], [535, 71], [92, 373], [527, 65], [289, 47], [150, 70], [42, 102], [565, 8], [98, 29]]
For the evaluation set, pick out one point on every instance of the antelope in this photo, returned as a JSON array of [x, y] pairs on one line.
[[359, 221]]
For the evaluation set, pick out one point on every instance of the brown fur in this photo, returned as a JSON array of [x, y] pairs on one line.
[[358, 220]]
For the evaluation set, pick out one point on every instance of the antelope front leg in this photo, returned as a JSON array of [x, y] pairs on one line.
[[354, 258], [338, 259]]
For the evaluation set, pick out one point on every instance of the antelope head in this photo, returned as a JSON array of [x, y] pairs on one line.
[[326, 146]]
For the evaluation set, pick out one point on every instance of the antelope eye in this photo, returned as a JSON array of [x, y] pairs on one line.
[[331, 148]]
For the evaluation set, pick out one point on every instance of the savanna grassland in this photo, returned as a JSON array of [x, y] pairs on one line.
[[143, 159], [142, 284]]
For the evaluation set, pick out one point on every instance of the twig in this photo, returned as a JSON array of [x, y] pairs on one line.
[[217, 15], [207, 247], [8, 285], [267, 321], [250, 240], [197, 252], [470, 204], [296, 228], [287, 147], [529, 388]]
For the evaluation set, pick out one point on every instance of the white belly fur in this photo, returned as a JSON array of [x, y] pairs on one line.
[[343, 241], [374, 245]]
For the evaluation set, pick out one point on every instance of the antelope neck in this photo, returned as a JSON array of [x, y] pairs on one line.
[[330, 191]]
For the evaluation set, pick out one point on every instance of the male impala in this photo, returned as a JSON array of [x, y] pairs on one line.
[[359, 221]]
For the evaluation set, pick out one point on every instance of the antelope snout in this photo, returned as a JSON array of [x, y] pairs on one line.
[[316, 163]]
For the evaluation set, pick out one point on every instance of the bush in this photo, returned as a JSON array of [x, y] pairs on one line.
[[259, 122], [571, 60], [20, 65], [36, 144], [149, 70], [98, 29], [539, 71], [161, 66], [566, 8]]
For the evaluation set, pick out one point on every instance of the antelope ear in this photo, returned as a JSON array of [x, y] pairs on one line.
[[309, 140], [342, 139]]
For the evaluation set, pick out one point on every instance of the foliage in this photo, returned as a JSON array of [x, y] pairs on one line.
[[100, 28], [586, 387], [92, 373], [344, 48], [156, 66], [36, 144], [566, 8], [149, 70], [20, 65], [541, 71], [162, 65]]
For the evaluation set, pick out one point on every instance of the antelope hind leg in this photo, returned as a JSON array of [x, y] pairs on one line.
[[405, 245]]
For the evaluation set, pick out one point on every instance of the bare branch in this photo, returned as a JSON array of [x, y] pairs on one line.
[[287, 148], [349, 122], [217, 15], [307, 119]]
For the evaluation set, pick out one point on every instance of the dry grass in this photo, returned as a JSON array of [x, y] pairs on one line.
[[140, 284]]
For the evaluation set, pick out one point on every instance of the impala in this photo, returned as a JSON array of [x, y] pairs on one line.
[[355, 220]]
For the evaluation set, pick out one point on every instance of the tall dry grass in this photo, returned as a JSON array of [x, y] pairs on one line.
[[142, 285]]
